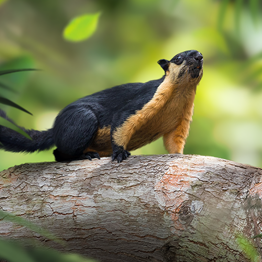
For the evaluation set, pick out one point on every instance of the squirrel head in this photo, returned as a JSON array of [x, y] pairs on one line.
[[184, 64]]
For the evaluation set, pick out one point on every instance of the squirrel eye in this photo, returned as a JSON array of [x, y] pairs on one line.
[[178, 59]]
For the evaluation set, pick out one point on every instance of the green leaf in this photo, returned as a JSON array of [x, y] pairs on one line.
[[14, 252], [6, 123], [9, 71], [82, 27], [42, 254], [5, 72], [23, 222], [8, 102], [248, 248], [16, 72], [4, 86], [258, 236]]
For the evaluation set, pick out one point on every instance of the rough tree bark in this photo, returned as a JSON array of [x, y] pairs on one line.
[[153, 208]]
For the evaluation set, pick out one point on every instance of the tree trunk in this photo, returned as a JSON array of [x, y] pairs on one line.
[[153, 208]]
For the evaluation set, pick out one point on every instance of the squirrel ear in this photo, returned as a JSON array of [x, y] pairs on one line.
[[164, 64]]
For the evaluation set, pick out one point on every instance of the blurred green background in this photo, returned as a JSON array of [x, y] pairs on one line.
[[130, 38]]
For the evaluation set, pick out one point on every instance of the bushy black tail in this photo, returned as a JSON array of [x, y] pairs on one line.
[[15, 142]]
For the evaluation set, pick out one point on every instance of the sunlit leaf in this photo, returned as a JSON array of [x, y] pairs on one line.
[[23, 222], [6, 123], [8, 102], [248, 248], [14, 252], [81, 27], [222, 13]]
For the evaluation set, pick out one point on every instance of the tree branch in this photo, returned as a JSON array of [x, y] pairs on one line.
[[153, 208]]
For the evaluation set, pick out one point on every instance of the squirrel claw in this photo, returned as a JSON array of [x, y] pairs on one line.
[[90, 155], [120, 155]]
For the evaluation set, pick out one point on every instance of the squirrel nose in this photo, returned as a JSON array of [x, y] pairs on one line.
[[198, 57]]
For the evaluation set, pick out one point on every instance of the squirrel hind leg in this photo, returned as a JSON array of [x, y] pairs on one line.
[[74, 130], [61, 157]]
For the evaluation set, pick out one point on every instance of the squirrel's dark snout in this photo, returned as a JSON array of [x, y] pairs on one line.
[[195, 56], [198, 57], [195, 59]]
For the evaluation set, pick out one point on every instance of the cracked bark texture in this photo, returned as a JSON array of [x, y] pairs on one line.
[[147, 208]]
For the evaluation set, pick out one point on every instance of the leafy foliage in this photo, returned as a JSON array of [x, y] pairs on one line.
[[248, 248], [258, 236], [14, 251], [8, 102], [6, 123], [5, 216]]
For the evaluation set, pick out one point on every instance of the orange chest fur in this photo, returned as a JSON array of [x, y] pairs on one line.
[[158, 117], [159, 122]]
